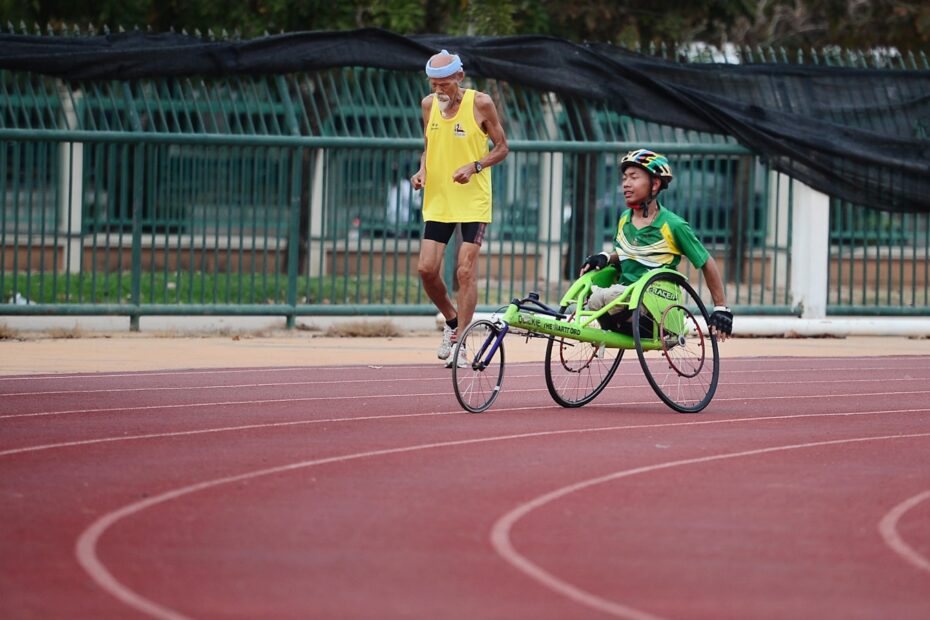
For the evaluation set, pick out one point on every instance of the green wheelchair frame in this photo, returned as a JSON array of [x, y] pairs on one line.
[[657, 315]]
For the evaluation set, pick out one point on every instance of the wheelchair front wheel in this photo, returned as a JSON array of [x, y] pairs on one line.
[[576, 372], [478, 372], [682, 362]]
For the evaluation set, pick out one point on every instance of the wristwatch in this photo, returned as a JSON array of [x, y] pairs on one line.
[[478, 167]]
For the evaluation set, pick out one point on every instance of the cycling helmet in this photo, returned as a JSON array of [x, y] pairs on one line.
[[654, 163]]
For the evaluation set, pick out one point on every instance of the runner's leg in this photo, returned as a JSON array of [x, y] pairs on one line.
[[430, 268], [467, 273]]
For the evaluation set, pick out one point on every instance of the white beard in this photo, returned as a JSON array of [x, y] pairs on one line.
[[444, 103]]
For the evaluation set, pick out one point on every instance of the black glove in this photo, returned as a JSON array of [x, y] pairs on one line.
[[596, 261], [722, 320]]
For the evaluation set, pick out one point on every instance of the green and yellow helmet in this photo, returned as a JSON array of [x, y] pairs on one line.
[[654, 163]]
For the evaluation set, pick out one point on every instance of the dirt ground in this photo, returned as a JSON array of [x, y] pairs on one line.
[[111, 352]]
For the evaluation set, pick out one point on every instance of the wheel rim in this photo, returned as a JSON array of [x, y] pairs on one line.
[[576, 372], [477, 384], [682, 371], [683, 347], [576, 359]]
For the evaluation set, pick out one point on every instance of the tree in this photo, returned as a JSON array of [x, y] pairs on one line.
[[789, 23], [846, 23]]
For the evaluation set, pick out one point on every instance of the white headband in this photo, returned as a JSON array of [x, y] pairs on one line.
[[443, 72]]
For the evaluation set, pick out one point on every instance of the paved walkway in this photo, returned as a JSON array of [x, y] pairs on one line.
[[137, 352]]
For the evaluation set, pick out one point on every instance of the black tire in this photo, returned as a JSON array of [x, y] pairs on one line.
[[682, 371], [576, 372], [478, 383]]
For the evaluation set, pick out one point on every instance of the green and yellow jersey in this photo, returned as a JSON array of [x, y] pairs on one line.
[[660, 244]]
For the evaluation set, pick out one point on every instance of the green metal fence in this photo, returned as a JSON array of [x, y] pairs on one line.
[[287, 195]]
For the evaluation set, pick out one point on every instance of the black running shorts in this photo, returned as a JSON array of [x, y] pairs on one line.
[[441, 232]]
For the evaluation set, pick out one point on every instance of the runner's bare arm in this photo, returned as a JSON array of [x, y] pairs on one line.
[[418, 180], [486, 118]]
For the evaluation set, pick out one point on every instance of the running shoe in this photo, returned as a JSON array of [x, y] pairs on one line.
[[462, 361], [448, 342]]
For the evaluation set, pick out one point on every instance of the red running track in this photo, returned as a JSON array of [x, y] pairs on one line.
[[802, 491]]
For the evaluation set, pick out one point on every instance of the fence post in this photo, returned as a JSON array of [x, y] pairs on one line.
[[293, 235], [137, 149], [316, 246], [777, 229], [138, 173], [551, 217], [70, 184], [810, 250]]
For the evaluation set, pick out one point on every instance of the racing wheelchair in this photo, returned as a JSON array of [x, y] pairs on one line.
[[660, 315]]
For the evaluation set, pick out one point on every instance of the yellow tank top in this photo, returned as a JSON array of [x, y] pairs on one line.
[[450, 144]]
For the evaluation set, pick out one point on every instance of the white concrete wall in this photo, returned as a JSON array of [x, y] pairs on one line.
[[810, 251]]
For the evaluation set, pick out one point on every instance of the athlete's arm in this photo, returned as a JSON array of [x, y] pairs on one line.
[[714, 281], [486, 118], [418, 180], [721, 319]]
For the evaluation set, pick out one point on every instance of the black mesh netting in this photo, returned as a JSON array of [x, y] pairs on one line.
[[857, 134]]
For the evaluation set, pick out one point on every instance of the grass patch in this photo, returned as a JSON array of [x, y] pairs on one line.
[[210, 288], [7, 333], [217, 332], [364, 329], [65, 333]]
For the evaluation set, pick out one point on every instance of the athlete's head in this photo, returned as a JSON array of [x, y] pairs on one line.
[[445, 74], [645, 174]]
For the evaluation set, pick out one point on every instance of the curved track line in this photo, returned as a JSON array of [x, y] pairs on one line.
[[86, 544], [224, 429], [430, 394], [500, 531], [888, 527]]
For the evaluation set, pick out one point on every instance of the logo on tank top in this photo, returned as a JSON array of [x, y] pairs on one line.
[[458, 130]]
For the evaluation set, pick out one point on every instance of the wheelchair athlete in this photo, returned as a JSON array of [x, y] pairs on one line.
[[650, 236]]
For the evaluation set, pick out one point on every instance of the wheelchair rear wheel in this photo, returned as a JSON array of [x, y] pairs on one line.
[[679, 356]]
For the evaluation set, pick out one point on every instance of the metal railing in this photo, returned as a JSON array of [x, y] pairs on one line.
[[286, 195]]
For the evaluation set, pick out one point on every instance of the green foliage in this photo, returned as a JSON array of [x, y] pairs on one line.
[[816, 23], [490, 17], [404, 16]]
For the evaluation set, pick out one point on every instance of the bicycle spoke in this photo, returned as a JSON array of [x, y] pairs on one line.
[[478, 380], [576, 372]]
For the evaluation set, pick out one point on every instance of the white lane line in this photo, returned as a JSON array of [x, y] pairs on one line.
[[86, 544], [158, 373], [888, 528], [264, 401], [500, 531], [229, 386], [226, 429], [206, 371], [131, 408], [279, 369], [203, 431]]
